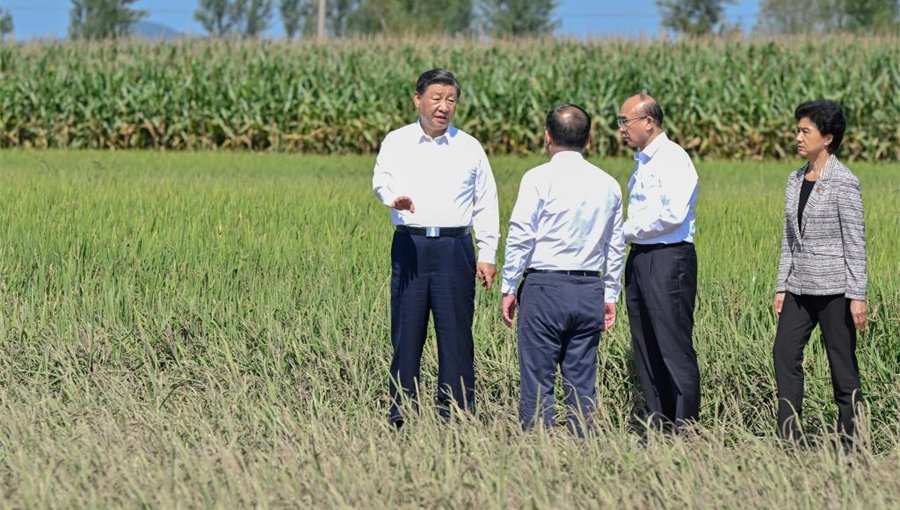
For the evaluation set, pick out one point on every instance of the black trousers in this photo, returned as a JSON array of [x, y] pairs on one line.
[[799, 315], [660, 293], [432, 276], [560, 319]]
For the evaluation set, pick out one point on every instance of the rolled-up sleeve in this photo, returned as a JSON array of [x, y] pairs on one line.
[[853, 237]]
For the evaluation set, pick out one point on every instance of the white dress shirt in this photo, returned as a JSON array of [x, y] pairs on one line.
[[568, 216], [448, 178], [663, 192]]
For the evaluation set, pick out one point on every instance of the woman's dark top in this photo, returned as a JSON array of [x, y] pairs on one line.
[[805, 189]]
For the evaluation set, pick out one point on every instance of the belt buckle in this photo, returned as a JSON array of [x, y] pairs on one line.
[[432, 231]]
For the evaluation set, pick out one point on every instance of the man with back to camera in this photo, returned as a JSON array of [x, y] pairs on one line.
[[661, 268], [438, 183], [565, 235]]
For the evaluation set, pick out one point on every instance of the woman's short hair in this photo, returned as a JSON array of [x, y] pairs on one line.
[[828, 117]]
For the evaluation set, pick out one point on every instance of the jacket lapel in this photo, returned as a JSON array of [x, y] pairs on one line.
[[793, 200], [818, 191]]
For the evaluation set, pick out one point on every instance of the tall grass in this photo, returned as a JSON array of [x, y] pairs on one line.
[[726, 100], [211, 330]]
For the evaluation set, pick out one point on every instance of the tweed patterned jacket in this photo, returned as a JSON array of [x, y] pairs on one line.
[[826, 255]]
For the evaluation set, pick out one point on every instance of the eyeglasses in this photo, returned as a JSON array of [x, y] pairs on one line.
[[624, 122]]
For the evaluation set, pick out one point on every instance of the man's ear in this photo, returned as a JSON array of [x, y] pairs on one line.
[[416, 98]]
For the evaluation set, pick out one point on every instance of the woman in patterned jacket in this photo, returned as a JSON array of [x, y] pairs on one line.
[[822, 272]]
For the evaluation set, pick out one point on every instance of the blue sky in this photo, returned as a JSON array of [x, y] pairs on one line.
[[49, 18]]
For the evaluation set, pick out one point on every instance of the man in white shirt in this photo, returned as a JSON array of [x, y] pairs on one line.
[[438, 183], [661, 269], [565, 235]]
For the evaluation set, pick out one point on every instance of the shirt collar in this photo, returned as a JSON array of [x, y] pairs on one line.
[[647, 154], [564, 156], [421, 137]]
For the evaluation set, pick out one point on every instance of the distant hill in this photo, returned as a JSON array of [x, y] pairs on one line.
[[156, 31]]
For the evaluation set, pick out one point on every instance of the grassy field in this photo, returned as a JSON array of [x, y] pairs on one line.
[[211, 330]]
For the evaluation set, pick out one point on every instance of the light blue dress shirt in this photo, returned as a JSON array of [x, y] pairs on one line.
[[663, 193], [568, 216], [448, 178]]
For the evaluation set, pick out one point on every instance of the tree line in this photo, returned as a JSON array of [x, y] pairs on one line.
[[343, 18], [110, 19], [783, 17]]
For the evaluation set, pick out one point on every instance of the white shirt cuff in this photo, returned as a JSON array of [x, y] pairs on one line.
[[389, 200], [487, 255]]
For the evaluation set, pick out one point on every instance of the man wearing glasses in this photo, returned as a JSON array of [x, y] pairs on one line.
[[661, 268]]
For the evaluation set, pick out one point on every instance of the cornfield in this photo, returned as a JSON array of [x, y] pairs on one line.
[[725, 100]]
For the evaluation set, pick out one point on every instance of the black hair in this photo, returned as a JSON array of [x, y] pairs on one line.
[[828, 117], [569, 126], [439, 76]]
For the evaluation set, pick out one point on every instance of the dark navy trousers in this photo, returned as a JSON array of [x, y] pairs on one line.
[[560, 319], [432, 276], [660, 293]]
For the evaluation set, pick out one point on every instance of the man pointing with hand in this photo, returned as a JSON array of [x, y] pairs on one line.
[[438, 183]]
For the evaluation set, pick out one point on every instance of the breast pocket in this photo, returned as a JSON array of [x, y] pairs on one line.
[[651, 187]]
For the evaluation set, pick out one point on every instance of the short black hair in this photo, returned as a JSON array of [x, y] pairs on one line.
[[828, 117], [439, 76], [570, 126], [652, 109]]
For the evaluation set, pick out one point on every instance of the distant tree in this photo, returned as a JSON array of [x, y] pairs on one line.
[[693, 17], [6, 23], [340, 16], [220, 18], [868, 16], [460, 19], [503, 18], [259, 14], [816, 16], [102, 19], [409, 16], [349, 17], [298, 17], [788, 17]]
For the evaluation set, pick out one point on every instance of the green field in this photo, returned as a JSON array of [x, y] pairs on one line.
[[211, 330]]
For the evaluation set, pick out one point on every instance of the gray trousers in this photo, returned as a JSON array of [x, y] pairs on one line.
[[560, 319]]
